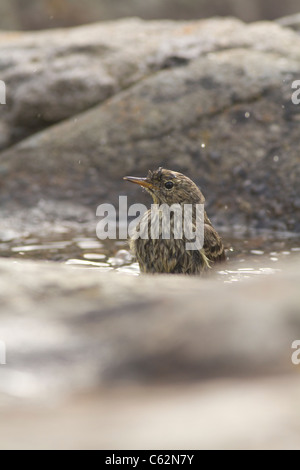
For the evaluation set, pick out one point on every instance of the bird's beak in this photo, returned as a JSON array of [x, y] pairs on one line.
[[141, 181]]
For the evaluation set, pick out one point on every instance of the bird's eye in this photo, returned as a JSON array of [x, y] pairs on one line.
[[169, 185]]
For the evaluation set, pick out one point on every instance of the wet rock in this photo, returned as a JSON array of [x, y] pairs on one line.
[[221, 111], [221, 414], [106, 347], [51, 76], [109, 327]]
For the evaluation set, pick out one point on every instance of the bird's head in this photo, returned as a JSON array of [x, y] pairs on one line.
[[169, 187]]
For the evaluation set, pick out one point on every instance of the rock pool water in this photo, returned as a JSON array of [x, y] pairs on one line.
[[262, 252]]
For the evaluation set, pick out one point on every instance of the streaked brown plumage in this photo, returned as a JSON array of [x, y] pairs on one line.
[[171, 256]]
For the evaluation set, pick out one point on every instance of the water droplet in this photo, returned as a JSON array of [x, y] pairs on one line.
[[85, 244], [81, 262], [46, 246], [268, 270], [257, 252], [121, 257], [124, 255], [133, 269], [93, 256], [203, 145]]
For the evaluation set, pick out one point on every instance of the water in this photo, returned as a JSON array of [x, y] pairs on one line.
[[255, 256]]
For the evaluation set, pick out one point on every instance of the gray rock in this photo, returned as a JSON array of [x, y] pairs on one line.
[[220, 111], [146, 329], [51, 76], [221, 414], [108, 347], [291, 21]]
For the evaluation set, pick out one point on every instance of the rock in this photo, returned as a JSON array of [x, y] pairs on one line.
[[183, 93], [51, 76], [146, 328], [109, 346], [291, 21], [231, 414]]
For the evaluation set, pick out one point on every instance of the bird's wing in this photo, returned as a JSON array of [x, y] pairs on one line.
[[213, 246]]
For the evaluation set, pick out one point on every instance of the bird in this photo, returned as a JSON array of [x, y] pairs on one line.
[[171, 256]]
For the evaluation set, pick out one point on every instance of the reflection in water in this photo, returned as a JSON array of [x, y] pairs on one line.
[[83, 252]]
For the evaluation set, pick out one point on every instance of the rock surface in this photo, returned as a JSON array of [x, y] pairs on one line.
[[107, 350], [211, 98]]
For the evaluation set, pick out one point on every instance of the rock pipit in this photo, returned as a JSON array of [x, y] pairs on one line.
[[162, 254]]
